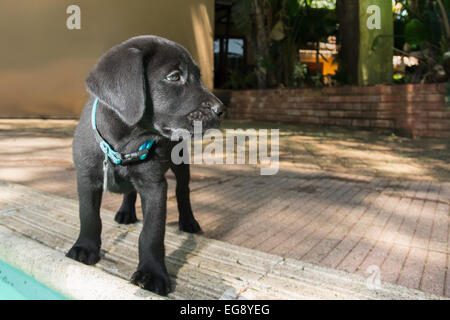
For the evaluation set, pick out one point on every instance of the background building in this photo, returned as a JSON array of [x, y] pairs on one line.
[[43, 64]]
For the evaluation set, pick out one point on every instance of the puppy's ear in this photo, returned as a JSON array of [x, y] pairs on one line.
[[118, 81]]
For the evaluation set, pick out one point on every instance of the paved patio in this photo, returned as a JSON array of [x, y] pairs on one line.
[[335, 219]]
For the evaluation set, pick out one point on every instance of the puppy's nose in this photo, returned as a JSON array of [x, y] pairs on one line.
[[216, 107]]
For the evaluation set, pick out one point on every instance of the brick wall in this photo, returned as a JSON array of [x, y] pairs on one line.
[[417, 110]]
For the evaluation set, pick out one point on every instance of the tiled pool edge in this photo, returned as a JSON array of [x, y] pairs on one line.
[[69, 278]]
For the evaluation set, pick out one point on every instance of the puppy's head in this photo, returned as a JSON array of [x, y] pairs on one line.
[[153, 82]]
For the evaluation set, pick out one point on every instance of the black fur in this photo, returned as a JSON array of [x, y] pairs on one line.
[[137, 102]]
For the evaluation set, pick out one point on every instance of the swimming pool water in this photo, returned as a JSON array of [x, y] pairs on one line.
[[16, 285]]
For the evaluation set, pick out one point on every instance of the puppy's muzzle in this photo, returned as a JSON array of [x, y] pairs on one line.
[[209, 111]]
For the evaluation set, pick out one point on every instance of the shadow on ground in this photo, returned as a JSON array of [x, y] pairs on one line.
[[324, 206]]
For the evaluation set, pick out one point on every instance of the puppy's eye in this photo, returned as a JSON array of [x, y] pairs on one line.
[[174, 76]]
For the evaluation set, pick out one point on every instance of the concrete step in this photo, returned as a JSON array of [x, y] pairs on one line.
[[200, 268]]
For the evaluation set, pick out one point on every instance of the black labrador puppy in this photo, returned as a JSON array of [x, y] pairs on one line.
[[142, 90]]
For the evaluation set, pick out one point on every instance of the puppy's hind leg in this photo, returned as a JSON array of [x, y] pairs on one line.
[[127, 211], [87, 248], [186, 221]]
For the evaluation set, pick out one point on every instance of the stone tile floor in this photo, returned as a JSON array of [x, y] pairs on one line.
[[345, 219]]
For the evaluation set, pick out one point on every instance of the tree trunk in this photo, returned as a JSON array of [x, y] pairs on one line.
[[262, 48], [348, 17], [376, 42], [444, 19]]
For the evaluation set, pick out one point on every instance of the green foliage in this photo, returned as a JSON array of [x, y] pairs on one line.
[[421, 29], [416, 33], [297, 17], [300, 71], [317, 79], [241, 12], [238, 80], [291, 24], [292, 8], [420, 24], [320, 4]]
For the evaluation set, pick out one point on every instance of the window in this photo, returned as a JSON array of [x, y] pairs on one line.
[[229, 55]]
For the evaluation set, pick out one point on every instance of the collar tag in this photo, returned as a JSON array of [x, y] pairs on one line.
[[105, 173]]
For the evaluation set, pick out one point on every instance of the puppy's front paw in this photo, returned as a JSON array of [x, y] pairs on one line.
[[157, 282], [190, 225], [83, 255], [126, 217]]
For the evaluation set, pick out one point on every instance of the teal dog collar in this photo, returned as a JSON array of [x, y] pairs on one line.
[[114, 156]]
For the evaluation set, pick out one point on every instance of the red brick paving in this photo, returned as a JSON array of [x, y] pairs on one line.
[[334, 220]]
